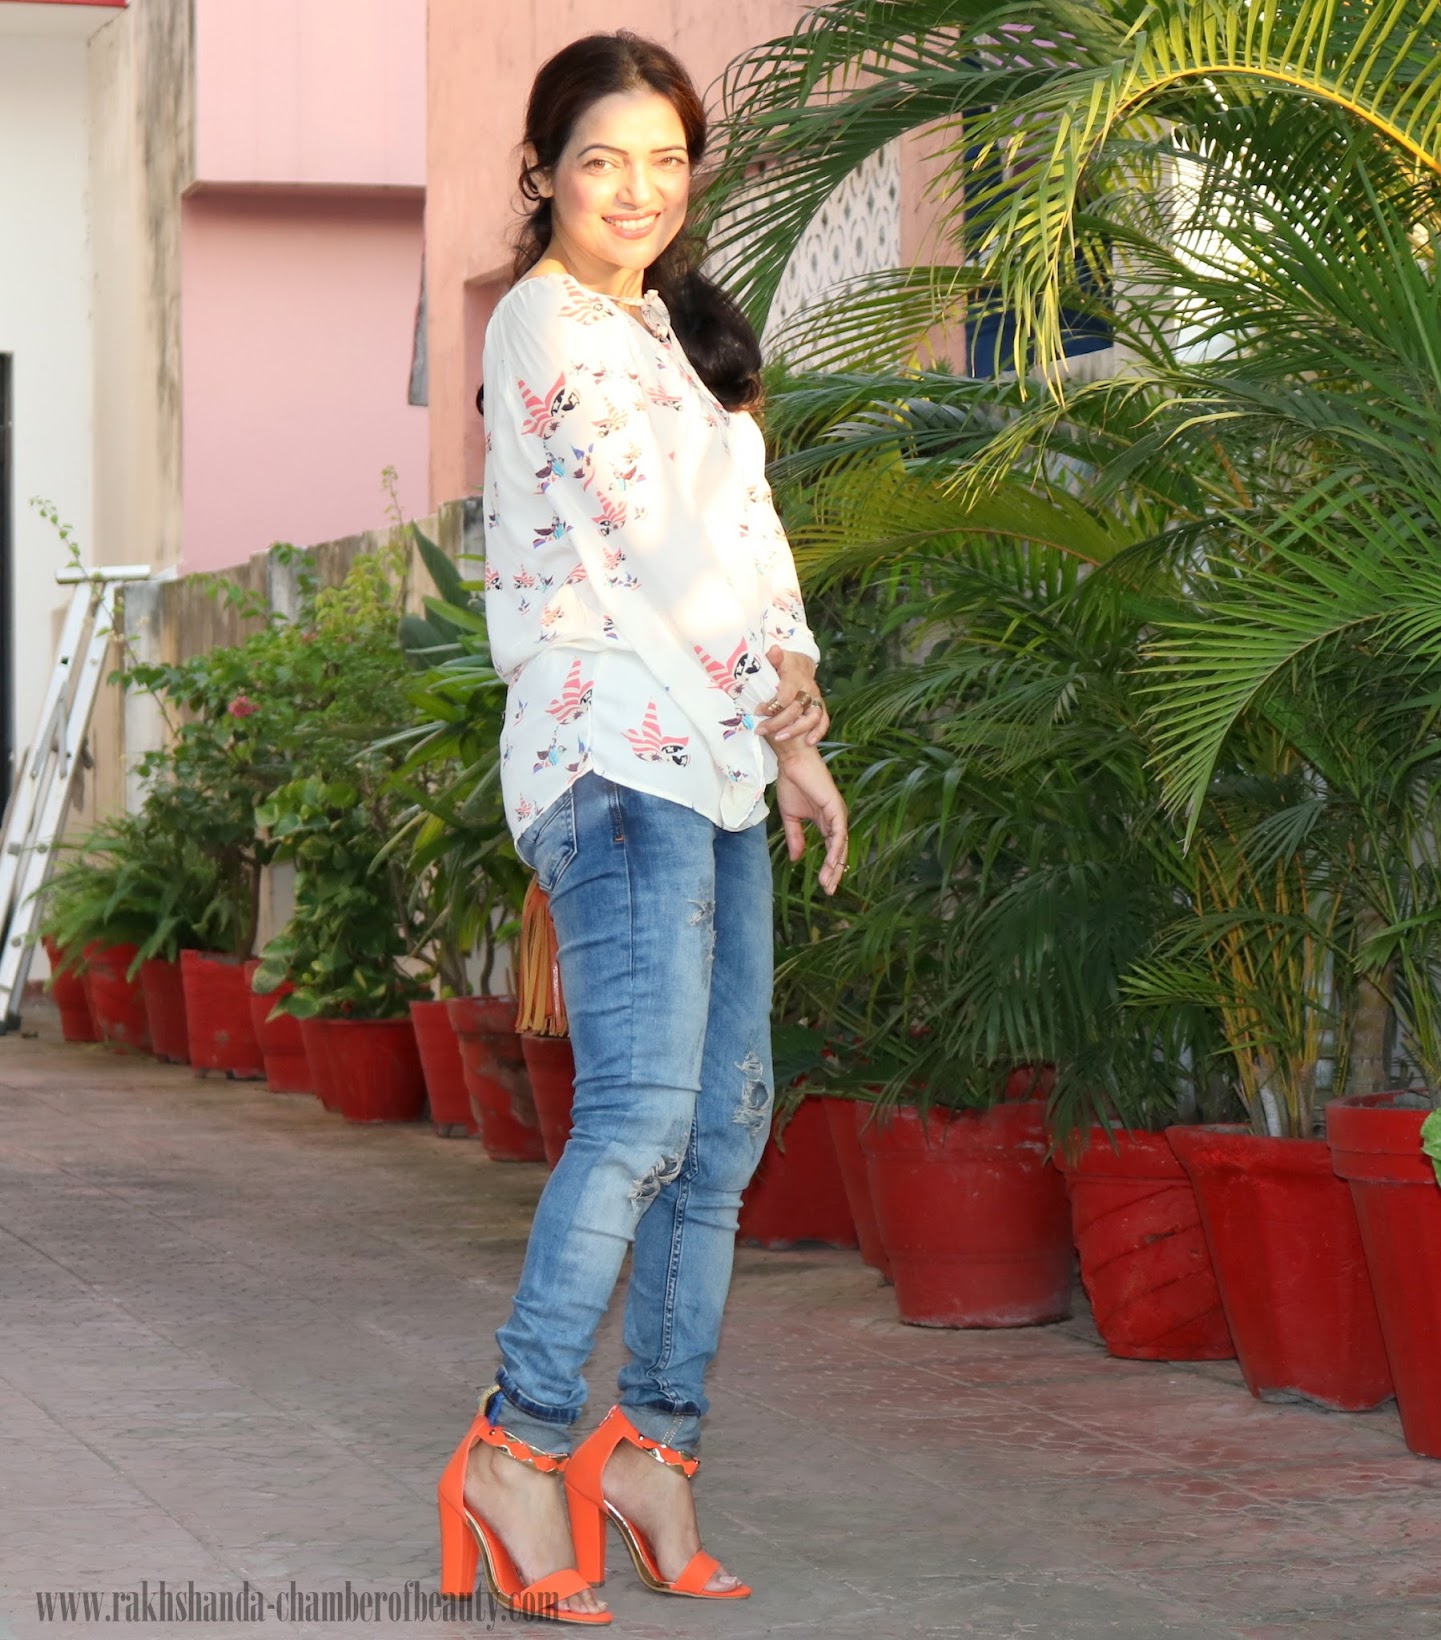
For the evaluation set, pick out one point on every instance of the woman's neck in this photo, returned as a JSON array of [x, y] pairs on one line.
[[621, 284]]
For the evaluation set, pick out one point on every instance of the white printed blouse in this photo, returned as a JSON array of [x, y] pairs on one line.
[[636, 573]]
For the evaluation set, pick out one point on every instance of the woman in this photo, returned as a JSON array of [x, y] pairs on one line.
[[642, 606]]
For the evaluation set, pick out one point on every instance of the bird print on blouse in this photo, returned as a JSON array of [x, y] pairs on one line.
[[636, 573], [651, 746]]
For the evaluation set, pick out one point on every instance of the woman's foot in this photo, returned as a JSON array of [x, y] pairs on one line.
[[526, 1508], [657, 1500]]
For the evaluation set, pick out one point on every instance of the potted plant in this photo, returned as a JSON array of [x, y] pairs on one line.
[[344, 950], [134, 895], [77, 1023], [1280, 471], [234, 715], [799, 1191], [459, 834]]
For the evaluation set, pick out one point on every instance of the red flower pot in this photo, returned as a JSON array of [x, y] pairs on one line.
[[495, 1077], [165, 1005], [117, 1004], [217, 1010], [973, 1216], [550, 1063], [315, 1035], [1376, 1147], [282, 1048], [68, 990], [375, 1069], [1144, 1258], [797, 1193], [444, 1074], [845, 1117], [1289, 1261]]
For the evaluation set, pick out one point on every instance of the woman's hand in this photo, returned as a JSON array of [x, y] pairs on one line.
[[797, 712], [805, 791]]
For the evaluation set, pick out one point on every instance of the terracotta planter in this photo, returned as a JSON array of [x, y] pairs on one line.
[[165, 1004], [315, 1035], [495, 1077], [973, 1216], [550, 1064], [68, 990], [444, 1074], [217, 1010], [1376, 1147], [1144, 1259], [117, 1004], [797, 1193], [1289, 1261], [845, 1117], [282, 1048], [375, 1069]]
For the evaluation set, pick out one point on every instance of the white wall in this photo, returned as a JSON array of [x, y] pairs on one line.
[[45, 274]]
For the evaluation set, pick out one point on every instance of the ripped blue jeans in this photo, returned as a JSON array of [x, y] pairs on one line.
[[664, 929]]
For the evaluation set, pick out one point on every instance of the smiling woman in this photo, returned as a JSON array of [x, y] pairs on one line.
[[642, 607]]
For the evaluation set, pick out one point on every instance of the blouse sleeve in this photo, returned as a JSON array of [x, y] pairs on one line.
[[615, 494], [785, 613]]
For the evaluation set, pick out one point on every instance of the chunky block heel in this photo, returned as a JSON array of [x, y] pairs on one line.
[[587, 1530], [459, 1553]]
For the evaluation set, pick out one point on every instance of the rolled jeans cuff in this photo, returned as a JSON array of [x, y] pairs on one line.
[[678, 1429]]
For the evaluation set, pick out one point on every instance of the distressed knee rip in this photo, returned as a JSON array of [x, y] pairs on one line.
[[702, 915], [644, 1190], [755, 1095]]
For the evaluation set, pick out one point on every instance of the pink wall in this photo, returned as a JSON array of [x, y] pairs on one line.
[[321, 92], [298, 316]]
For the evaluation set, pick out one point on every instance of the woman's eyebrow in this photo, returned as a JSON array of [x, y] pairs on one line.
[[610, 148]]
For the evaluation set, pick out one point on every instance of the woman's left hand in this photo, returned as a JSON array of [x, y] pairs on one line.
[[797, 712]]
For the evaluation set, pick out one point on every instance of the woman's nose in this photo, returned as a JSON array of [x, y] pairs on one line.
[[639, 187]]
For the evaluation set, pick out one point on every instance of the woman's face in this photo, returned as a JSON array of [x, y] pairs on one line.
[[620, 188]]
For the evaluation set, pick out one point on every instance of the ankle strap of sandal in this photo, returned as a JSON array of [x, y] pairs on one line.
[[512, 1445], [686, 1462]]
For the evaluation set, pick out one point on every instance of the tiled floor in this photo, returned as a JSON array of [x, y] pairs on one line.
[[238, 1338]]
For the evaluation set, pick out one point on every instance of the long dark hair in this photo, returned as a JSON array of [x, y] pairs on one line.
[[716, 335]]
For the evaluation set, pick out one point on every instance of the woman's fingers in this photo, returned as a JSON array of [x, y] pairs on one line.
[[795, 836], [837, 841], [792, 719]]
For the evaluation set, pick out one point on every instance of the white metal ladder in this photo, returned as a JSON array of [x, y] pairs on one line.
[[35, 815]]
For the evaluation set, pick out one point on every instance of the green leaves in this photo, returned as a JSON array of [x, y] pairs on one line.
[[1146, 754]]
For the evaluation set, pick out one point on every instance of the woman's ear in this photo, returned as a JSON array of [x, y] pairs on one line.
[[537, 175]]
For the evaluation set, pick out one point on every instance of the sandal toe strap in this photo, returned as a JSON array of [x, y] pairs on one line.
[[699, 1570], [554, 1586]]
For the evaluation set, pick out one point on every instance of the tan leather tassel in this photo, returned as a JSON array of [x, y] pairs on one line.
[[540, 1003]]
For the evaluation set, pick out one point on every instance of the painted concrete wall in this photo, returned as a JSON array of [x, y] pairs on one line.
[[326, 93], [298, 325], [141, 161], [45, 327]]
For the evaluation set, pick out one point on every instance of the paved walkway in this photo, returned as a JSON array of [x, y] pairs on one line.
[[238, 1338]]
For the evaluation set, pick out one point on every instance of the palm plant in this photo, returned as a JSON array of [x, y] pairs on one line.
[[468, 882], [1246, 194]]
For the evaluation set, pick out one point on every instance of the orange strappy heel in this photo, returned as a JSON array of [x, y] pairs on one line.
[[589, 1512], [466, 1540]]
